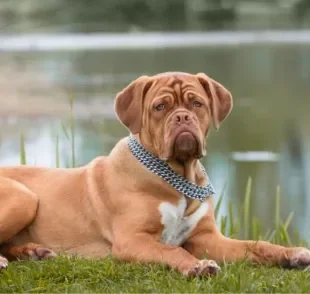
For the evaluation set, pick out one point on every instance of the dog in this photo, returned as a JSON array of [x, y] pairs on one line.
[[147, 201]]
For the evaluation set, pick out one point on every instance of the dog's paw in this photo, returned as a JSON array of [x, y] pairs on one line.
[[300, 258], [3, 263], [39, 253], [205, 267]]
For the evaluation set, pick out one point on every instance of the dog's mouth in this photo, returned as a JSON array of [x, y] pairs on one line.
[[184, 144]]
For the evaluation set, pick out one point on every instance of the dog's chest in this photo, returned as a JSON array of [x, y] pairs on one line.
[[177, 227]]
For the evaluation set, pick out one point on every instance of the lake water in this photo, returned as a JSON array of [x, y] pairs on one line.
[[266, 136]]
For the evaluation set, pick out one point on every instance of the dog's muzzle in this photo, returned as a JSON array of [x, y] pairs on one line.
[[184, 140]]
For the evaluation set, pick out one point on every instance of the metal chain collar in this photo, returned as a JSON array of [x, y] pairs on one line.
[[163, 170]]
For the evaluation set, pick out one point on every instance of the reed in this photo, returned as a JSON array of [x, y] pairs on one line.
[[230, 225]]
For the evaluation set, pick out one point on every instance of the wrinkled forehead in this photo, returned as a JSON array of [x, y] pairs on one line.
[[177, 82]]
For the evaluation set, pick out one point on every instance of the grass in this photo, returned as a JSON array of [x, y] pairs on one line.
[[108, 276], [79, 275]]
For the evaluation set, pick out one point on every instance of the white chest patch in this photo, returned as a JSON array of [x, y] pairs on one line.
[[177, 227]]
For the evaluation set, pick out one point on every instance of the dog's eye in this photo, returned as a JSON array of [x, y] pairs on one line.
[[160, 107], [197, 103]]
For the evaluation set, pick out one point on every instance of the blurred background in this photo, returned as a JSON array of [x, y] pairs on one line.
[[57, 50]]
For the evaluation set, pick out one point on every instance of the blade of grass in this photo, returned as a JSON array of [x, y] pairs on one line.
[[65, 131], [265, 237], [271, 238], [288, 220], [22, 150], [72, 130], [256, 229], [277, 214], [284, 236], [246, 211], [283, 231], [223, 225], [57, 151], [231, 222], [218, 203]]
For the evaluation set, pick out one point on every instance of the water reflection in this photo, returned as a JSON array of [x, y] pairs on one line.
[[270, 85]]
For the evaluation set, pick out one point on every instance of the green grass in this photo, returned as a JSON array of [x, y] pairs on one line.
[[109, 276], [80, 275]]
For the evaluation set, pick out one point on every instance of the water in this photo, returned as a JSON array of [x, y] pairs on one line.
[[266, 136]]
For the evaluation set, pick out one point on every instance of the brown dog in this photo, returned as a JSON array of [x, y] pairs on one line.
[[116, 205]]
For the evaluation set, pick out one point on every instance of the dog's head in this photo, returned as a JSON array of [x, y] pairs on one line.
[[172, 112]]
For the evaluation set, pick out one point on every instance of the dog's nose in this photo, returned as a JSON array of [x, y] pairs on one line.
[[182, 118]]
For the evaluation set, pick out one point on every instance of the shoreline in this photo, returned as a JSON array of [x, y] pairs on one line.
[[57, 108], [147, 40]]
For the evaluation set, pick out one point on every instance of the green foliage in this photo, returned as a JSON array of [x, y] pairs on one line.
[[57, 159], [114, 15], [63, 275], [70, 135], [22, 150], [72, 132], [246, 214], [252, 229]]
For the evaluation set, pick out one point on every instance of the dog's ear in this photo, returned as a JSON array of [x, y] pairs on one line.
[[129, 102], [221, 99]]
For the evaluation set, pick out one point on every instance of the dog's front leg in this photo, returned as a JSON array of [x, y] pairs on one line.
[[143, 247], [220, 248]]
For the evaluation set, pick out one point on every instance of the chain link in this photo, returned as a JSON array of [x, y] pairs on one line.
[[163, 170]]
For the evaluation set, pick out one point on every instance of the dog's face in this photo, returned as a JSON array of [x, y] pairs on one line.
[[172, 112]]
